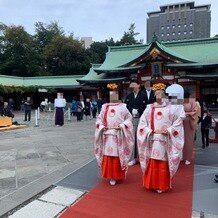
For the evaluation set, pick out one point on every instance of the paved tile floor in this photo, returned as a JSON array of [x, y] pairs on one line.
[[33, 158]]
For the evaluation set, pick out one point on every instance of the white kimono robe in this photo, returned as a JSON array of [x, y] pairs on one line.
[[110, 141], [159, 146]]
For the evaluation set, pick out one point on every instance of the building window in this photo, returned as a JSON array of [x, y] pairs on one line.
[[162, 34], [168, 34], [173, 33], [179, 25], [156, 69], [185, 32], [168, 27], [191, 32], [173, 26], [191, 24], [179, 33], [185, 25], [162, 27]]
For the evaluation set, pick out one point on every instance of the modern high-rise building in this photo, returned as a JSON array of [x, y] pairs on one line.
[[179, 21]]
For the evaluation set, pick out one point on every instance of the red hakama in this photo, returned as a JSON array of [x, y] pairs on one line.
[[157, 175], [111, 168]]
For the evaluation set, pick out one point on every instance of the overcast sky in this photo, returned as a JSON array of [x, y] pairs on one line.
[[99, 19]]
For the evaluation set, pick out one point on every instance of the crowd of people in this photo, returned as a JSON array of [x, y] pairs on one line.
[[155, 127], [89, 108]]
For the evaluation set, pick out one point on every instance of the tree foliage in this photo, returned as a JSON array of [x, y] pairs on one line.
[[65, 56], [17, 52], [50, 52], [129, 37]]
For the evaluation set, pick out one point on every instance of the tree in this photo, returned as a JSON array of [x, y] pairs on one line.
[[44, 36], [17, 53], [64, 56], [97, 51], [128, 38]]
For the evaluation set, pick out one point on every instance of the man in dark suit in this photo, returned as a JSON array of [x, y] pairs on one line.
[[148, 92], [206, 123], [27, 108], [136, 103]]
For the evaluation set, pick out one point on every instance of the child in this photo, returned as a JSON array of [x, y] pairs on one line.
[[206, 123]]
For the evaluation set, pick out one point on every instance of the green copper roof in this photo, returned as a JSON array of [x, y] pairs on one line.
[[191, 65], [199, 50], [43, 81], [94, 77], [119, 69], [173, 53], [119, 56]]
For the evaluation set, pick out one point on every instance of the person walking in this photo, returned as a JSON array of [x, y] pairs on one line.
[[94, 108], [160, 138], [74, 107], [192, 111], [11, 104], [79, 110], [59, 105], [136, 103], [87, 109], [206, 123], [114, 139], [27, 109]]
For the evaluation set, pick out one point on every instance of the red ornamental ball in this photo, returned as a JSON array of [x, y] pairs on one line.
[[159, 113], [175, 133], [141, 131]]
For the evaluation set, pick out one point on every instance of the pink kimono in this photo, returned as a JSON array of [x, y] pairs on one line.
[[113, 141], [192, 110], [160, 146]]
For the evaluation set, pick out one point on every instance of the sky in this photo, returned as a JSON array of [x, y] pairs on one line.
[[99, 19]]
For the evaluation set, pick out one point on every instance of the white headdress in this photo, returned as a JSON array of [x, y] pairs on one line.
[[175, 90]]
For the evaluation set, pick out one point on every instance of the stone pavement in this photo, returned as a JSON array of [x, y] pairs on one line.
[[37, 163], [34, 158]]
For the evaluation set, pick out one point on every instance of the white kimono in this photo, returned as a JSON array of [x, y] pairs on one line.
[[160, 146], [111, 141]]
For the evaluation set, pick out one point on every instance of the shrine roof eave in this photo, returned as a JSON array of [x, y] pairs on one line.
[[202, 76], [119, 69], [192, 65], [102, 81]]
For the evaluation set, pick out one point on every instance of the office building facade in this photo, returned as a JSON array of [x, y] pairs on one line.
[[182, 21]]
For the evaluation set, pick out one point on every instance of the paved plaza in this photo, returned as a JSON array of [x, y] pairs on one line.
[[41, 162], [34, 158]]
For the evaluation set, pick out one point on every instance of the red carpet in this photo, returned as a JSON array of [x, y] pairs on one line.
[[128, 199]]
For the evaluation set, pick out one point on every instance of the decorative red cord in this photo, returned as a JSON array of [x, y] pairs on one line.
[[152, 118], [105, 116]]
